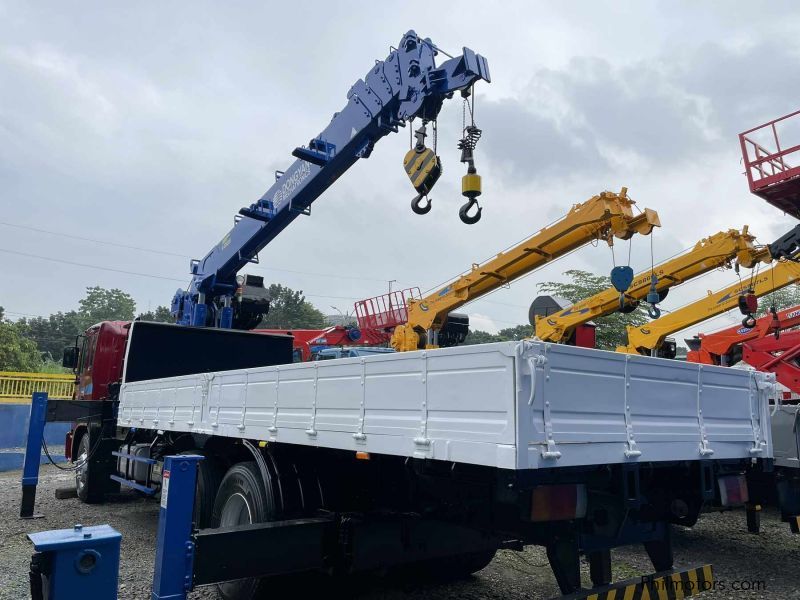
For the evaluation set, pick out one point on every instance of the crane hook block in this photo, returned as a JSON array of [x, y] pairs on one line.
[[423, 168], [748, 304], [621, 278], [470, 188]]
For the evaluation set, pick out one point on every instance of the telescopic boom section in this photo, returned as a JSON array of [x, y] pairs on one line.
[[603, 217], [406, 85], [717, 251], [648, 338]]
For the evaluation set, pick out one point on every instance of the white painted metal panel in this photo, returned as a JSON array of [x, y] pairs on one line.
[[520, 405]]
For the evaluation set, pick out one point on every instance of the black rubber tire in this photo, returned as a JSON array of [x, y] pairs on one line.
[[242, 485], [209, 478], [85, 486], [97, 470]]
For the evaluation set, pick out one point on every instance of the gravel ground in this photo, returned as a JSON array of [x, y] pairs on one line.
[[771, 558]]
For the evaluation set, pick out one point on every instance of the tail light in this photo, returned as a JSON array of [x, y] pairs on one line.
[[558, 502], [68, 446], [733, 490]]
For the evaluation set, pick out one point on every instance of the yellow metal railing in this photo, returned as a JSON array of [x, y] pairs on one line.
[[17, 388]]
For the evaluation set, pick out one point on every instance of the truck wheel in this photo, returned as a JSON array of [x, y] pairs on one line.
[[84, 485], [240, 501], [209, 476], [92, 481]]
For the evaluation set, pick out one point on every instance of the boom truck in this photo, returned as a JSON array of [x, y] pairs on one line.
[[434, 457]]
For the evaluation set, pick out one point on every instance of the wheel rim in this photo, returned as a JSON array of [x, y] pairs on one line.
[[82, 473], [236, 511]]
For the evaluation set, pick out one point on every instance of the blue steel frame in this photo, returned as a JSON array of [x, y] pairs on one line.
[[33, 455], [173, 573], [83, 562], [404, 86]]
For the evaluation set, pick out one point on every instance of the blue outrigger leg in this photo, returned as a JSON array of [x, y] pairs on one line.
[[33, 454], [174, 569]]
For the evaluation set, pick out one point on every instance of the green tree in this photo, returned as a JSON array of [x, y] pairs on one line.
[[160, 315], [2, 313], [51, 334], [17, 353], [610, 330], [516, 333], [290, 310], [481, 337], [783, 298], [101, 304]]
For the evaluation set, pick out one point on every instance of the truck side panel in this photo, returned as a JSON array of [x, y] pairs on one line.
[[474, 405]]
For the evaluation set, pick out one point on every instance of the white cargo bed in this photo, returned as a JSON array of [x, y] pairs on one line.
[[513, 405]]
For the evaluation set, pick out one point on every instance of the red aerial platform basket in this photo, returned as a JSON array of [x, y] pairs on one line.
[[385, 311], [772, 165]]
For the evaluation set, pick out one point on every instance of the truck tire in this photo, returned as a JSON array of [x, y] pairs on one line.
[[94, 454], [209, 478], [85, 486], [241, 500]]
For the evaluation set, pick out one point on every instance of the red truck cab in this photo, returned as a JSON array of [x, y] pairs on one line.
[[102, 354]]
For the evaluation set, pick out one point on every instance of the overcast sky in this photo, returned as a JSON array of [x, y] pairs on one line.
[[150, 124]]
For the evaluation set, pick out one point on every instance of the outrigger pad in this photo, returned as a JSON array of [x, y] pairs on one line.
[[677, 584]]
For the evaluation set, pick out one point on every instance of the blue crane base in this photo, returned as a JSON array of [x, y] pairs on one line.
[[82, 562]]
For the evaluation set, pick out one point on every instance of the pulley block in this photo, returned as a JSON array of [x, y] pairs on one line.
[[748, 305], [423, 168]]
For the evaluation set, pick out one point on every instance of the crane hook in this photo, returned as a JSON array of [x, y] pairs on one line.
[[653, 311], [748, 304], [416, 204], [470, 219]]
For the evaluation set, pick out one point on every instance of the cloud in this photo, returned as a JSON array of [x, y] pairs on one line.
[[592, 116], [479, 322]]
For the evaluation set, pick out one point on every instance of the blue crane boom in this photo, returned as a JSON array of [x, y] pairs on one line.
[[405, 86]]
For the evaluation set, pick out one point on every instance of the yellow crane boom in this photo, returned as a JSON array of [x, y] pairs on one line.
[[719, 250], [602, 217], [648, 338]]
